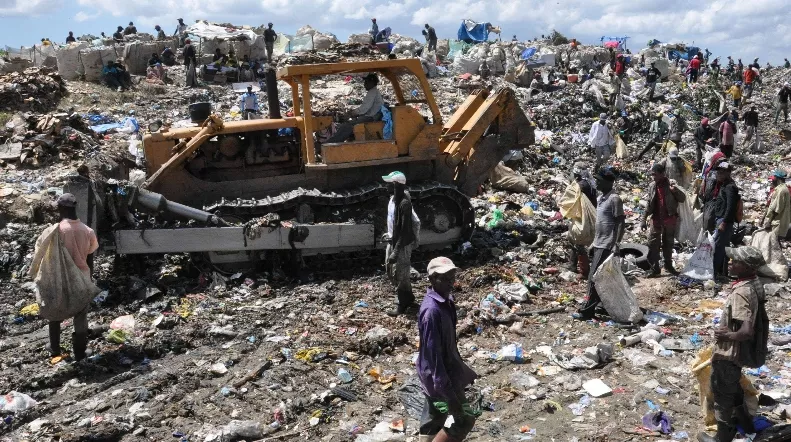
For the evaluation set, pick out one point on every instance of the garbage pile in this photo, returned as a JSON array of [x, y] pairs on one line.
[[34, 89], [184, 350]]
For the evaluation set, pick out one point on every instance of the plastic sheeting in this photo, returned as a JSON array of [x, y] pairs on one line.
[[471, 31], [206, 30], [615, 293], [528, 52], [582, 214]]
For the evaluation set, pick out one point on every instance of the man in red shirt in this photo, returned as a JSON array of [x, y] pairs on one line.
[[749, 76], [663, 201], [694, 69]]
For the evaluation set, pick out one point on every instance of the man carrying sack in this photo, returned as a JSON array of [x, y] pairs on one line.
[[61, 267], [741, 342]]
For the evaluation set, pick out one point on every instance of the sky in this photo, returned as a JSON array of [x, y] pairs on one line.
[[743, 29]]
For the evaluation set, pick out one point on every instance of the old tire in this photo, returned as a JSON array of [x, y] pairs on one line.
[[638, 251]]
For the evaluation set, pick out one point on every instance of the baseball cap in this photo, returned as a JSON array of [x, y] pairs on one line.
[[606, 174], [440, 265], [724, 166], [66, 200], [672, 153], [780, 174], [602, 116], [746, 254], [395, 177]]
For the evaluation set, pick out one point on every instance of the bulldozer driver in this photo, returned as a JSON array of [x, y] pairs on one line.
[[403, 230], [370, 110]]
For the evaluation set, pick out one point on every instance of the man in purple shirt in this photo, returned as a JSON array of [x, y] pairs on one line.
[[442, 372]]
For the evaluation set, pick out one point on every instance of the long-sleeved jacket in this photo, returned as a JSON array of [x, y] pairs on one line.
[[600, 135], [703, 133], [371, 105], [249, 101], [672, 198], [725, 201], [658, 130]]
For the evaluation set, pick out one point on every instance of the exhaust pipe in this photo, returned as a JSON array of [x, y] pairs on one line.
[[271, 94]]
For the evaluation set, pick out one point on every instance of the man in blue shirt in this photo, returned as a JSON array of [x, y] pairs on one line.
[[443, 374], [248, 103]]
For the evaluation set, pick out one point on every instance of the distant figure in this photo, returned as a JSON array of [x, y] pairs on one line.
[[664, 198], [45, 42], [160, 33], [601, 140], [787, 63], [219, 58], [190, 60], [778, 215], [374, 31], [131, 29], [110, 76], [694, 69], [432, 38], [782, 102], [118, 36], [248, 103], [269, 40], [70, 38], [515, 40], [168, 57], [181, 32]]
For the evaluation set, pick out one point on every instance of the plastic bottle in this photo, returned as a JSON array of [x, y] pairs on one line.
[[344, 375]]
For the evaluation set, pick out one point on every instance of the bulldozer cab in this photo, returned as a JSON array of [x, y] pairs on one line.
[[408, 138]]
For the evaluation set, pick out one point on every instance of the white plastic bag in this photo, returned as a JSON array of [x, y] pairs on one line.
[[690, 224], [701, 264], [621, 151], [15, 402], [615, 293]]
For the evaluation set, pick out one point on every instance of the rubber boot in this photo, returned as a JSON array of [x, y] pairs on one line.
[[80, 345], [54, 339]]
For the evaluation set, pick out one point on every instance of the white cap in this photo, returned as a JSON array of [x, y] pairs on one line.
[[395, 177], [440, 265], [672, 153]]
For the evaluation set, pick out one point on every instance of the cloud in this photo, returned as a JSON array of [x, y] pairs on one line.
[[35, 8], [84, 16], [741, 28]]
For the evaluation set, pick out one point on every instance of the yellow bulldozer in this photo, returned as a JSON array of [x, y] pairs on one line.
[[257, 186]]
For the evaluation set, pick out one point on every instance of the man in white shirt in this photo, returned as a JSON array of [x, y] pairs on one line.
[[600, 139], [370, 110], [248, 103]]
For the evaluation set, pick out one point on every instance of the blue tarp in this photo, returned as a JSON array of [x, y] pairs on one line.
[[528, 52], [472, 32], [688, 55]]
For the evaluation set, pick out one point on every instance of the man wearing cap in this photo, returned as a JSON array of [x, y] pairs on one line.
[[703, 135], [782, 102], [741, 342], [600, 139], [610, 222], [269, 40], [677, 169], [181, 32], [719, 214], [248, 103], [370, 110], [677, 128], [663, 199], [624, 126], [778, 214], [751, 123], [80, 242], [442, 372], [694, 68], [658, 130], [403, 230]]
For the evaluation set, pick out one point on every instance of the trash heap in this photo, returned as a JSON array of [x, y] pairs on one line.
[[183, 350], [34, 89]]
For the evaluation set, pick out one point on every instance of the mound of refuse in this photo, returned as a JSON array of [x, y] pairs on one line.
[[34, 89]]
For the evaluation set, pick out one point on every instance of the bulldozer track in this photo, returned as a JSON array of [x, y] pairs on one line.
[[251, 208]]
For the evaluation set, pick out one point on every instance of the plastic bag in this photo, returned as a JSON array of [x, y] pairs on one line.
[[621, 151], [15, 402], [615, 293], [690, 224], [576, 207], [776, 264], [701, 264]]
